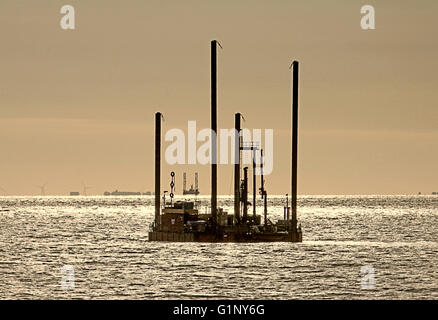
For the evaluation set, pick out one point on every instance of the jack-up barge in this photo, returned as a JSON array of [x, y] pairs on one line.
[[180, 221]]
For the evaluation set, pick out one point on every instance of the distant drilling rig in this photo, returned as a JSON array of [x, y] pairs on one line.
[[191, 191]]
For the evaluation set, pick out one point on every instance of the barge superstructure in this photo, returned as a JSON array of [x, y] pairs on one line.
[[181, 221]]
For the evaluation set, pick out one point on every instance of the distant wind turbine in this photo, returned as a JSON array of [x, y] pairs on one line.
[[85, 188], [4, 191], [43, 189]]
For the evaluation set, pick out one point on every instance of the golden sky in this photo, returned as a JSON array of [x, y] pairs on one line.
[[78, 105]]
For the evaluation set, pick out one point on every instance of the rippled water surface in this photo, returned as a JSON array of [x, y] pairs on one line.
[[105, 240]]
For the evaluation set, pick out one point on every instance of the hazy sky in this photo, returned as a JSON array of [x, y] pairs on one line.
[[78, 105]]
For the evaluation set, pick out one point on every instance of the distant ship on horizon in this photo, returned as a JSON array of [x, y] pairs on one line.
[[123, 193]]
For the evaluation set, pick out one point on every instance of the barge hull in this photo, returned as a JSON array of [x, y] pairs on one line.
[[232, 238]]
